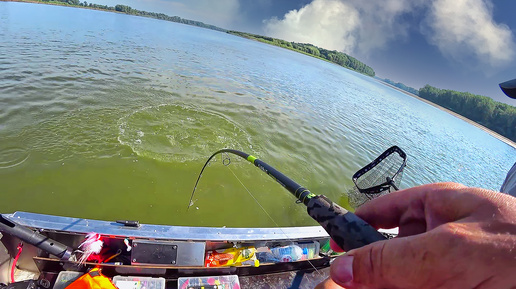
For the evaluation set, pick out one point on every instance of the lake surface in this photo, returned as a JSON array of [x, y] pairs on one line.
[[110, 116]]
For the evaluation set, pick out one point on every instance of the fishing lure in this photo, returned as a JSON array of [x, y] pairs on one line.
[[92, 245]]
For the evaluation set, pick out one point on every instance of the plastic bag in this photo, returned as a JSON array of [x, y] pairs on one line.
[[232, 257]]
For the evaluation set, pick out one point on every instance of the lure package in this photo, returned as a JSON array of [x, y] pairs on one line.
[[289, 253], [232, 257], [310, 249]]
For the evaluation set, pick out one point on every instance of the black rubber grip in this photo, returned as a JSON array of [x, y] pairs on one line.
[[345, 228], [34, 238]]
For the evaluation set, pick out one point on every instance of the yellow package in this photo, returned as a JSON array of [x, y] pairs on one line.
[[232, 257]]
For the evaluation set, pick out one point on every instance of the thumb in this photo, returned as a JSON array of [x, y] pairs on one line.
[[395, 263]]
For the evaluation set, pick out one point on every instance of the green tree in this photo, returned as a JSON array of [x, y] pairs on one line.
[[123, 8], [499, 117]]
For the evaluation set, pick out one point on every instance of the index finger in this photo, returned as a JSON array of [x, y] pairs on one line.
[[416, 209]]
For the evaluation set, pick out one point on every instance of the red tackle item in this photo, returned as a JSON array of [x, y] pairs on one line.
[[92, 280]]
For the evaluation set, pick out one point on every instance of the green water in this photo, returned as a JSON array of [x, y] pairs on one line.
[[112, 116]]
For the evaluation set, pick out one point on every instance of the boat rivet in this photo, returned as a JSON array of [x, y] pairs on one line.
[[135, 245], [174, 247], [173, 262], [134, 260]]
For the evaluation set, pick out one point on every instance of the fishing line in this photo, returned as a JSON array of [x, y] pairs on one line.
[[265, 211], [344, 227]]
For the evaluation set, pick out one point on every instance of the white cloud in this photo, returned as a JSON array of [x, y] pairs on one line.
[[347, 25], [382, 22], [462, 29], [327, 23], [465, 28]]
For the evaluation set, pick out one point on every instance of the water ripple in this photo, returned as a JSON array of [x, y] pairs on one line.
[[13, 156], [174, 133]]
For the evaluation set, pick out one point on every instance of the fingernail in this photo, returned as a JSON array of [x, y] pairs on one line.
[[342, 270]]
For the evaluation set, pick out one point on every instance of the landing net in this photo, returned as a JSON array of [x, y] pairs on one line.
[[378, 178]]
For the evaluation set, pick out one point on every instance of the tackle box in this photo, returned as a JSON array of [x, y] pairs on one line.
[[134, 282], [211, 282]]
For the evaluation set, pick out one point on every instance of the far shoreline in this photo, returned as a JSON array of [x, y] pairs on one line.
[[58, 4], [492, 133]]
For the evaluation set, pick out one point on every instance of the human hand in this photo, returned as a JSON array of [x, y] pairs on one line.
[[450, 236]]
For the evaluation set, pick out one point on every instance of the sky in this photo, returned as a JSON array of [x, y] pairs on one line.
[[463, 45]]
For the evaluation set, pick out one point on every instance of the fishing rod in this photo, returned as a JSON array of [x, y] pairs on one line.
[[345, 228]]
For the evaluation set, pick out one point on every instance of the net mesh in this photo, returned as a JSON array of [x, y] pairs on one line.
[[378, 178]]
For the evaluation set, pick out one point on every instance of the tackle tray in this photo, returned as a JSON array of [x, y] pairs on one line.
[[210, 282], [134, 282]]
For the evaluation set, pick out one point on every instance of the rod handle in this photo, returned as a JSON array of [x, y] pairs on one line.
[[345, 228], [34, 238]]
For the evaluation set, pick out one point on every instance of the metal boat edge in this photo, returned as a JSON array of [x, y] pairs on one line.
[[165, 232]]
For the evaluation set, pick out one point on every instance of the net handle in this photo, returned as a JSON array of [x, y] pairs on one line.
[[389, 180]]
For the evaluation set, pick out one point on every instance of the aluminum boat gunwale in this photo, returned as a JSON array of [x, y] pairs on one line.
[[165, 232]]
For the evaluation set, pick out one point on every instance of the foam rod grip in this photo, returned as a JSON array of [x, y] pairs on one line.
[[345, 228]]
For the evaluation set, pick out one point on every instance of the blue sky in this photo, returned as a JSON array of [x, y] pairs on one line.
[[464, 45]]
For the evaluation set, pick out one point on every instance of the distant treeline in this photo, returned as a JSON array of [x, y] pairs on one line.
[[339, 58], [131, 11], [402, 86], [496, 116]]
